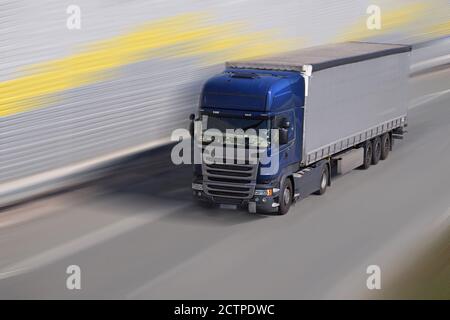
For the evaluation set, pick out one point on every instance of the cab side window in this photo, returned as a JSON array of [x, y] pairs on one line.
[[281, 118]]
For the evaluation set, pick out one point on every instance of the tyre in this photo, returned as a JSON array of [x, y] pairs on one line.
[[367, 155], [323, 181], [286, 195], [376, 150], [385, 146]]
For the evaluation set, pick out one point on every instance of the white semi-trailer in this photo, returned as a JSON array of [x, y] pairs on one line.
[[337, 107]]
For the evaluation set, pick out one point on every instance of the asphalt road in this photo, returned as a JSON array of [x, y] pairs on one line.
[[137, 234]]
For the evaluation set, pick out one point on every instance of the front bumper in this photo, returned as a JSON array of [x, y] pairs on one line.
[[256, 204]]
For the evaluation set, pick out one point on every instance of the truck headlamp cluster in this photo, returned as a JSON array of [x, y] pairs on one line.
[[265, 192]]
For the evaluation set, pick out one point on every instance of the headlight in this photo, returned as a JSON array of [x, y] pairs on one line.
[[265, 192], [197, 186]]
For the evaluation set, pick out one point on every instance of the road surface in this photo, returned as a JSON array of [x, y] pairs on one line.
[[137, 234]]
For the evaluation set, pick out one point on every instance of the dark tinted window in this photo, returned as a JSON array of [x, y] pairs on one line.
[[233, 123]]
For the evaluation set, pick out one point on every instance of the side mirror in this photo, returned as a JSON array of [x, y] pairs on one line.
[[285, 123], [283, 136], [191, 124]]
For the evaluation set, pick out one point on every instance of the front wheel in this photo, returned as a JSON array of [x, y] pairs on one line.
[[285, 197], [323, 181]]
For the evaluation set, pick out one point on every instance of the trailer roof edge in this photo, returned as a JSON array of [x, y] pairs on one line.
[[323, 57]]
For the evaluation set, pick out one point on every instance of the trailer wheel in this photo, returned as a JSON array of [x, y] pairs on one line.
[[323, 181], [285, 197], [367, 155], [376, 150], [385, 145]]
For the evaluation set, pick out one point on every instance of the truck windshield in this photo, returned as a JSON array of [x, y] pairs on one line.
[[231, 123], [224, 123]]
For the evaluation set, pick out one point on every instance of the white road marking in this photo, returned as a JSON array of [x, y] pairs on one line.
[[427, 98], [408, 244], [84, 242]]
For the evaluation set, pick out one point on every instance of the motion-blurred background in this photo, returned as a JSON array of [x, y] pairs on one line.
[[83, 82], [90, 91]]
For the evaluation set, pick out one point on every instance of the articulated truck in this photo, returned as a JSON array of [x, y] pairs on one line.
[[333, 108]]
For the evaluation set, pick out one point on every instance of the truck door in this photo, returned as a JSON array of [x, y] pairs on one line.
[[287, 151]]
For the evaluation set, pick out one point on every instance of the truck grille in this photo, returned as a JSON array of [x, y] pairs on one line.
[[232, 181]]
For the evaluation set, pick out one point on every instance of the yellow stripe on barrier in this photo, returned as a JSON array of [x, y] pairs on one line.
[[179, 36]]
